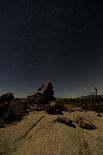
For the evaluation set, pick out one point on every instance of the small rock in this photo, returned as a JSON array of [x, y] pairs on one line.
[[87, 125], [99, 115], [65, 121]]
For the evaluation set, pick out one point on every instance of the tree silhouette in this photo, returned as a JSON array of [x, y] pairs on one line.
[[95, 94]]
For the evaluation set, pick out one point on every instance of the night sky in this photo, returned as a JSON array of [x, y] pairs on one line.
[[57, 41]]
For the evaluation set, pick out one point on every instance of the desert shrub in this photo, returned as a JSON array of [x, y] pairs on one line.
[[54, 108], [50, 109]]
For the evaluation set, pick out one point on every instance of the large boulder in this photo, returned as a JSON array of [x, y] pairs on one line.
[[5, 101], [46, 90], [4, 108], [11, 109], [43, 96], [7, 97]]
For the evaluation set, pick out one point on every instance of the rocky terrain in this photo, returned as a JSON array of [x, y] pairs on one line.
[[43, 134], [41, 125]]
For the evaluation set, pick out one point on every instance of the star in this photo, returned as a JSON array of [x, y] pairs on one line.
[[5, 12], [57, 26], [44, 34], [87, 13], [81, 2], [56, 10], [77, 9], [18, 68], [81, 31], [27, 29], [97, 32], [8, 70]]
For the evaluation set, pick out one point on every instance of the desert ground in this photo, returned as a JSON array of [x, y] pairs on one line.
[[39, 134]]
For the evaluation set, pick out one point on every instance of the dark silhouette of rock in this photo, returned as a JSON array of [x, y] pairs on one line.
[[1, 123], [4, 108], [43, 96], [46, 90], [5, 105], [7, 97], [11, 109], [15, 110], [19, 109], [99, 115]]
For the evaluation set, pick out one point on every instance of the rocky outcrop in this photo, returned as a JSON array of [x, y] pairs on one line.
[[14, 110], [7, 97], [43, 96], [10, 109], [19, 109], [66, 121], [46, 90], [43, 134]]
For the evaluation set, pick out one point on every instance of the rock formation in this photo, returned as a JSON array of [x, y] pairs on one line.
[[7, 97], [10, 109], [43, 96]]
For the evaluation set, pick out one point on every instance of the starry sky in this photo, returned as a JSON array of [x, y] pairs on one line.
[[57, 41]]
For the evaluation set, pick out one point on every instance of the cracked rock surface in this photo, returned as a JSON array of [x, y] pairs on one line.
[[43, 134]]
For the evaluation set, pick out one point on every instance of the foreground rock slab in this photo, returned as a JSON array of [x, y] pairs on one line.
[[39, 134]]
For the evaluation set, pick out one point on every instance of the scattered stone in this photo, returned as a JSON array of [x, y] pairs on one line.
[[65, 121], [99, 115], [87, 125]]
